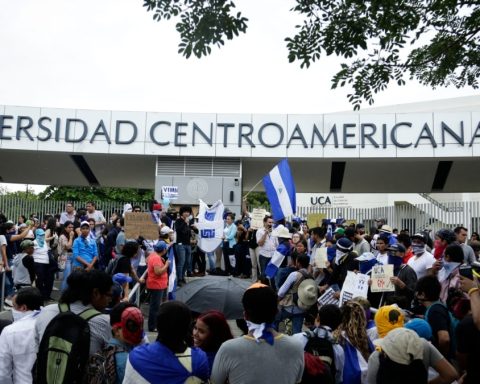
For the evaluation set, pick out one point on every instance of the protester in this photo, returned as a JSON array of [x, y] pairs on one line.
[[168, 359], [85, 253], [448, 275], [461, 234], [292, 305], [183, 254], [422, 261], [210, 331], [157, 281], [124, 264], [351, 334], [45, 266], [229, 241], [24, 266], [18, 351], [262, 356], [404, 277], [86, 289], [97, 216], [68, 214], [127, 332], [387, 318], [266, 244], [65, 245]]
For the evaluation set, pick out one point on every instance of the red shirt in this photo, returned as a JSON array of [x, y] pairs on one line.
[[154, 281]]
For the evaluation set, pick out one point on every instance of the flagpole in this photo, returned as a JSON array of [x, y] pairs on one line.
[[251, 190]]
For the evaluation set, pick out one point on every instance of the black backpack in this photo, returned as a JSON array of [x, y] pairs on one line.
[[319, 360], [65, 348], [112, 265]]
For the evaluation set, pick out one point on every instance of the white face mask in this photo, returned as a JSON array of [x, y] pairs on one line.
[[190, 218]]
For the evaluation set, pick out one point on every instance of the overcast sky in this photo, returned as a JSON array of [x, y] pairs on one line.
[[112, 55]]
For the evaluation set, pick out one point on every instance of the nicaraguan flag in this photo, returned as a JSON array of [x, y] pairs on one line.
[[280, 189], [277, 259], [355, 366], [172, 274]]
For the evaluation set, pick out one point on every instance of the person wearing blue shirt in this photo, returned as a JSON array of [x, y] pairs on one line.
[[85, 253]]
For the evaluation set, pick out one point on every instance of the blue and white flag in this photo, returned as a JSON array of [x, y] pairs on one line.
[[210, 226], [172, 274], [355, 366], [280, 189], [277, 259]]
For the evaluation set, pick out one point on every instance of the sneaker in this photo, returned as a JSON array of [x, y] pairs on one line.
[[8, 302]]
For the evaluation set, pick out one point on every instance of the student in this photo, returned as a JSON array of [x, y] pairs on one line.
[[168, 359], [127, 332], [18, 351], [262, 356], [124, 265], [210, 331], [24, 269], [157, 281]]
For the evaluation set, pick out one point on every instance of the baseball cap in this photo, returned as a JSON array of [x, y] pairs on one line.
[[121, 278], [344, 244], [419, 236], [340, 231], [84, 223], [397, 247], [132, 325], [165, 230], [160, 246], [26, 244]]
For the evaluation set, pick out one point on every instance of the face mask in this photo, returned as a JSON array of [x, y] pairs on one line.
[[18, 315], [338, 256], [394, 260], [447, 269], [190, 218], [418, 249]]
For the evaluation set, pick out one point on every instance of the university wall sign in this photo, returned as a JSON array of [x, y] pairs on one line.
[[318, 136]]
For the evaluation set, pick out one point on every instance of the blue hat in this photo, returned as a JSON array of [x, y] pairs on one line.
[[160, 246], [121, 278], [345, 245], [421, 327]]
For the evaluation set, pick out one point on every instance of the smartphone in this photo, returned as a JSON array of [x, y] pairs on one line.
[[466, 271]]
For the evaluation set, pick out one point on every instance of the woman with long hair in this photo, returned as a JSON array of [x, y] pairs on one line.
[[351, 334], [65, 243], [210, 331]]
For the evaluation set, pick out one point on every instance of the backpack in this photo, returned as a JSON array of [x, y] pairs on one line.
[[112, 265], [319, 360], [102, 368], [305, 276], [65, 347]]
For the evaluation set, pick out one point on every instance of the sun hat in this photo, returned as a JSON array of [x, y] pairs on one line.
[[402, 346], [307, 294], [386, 228], [282, 232]]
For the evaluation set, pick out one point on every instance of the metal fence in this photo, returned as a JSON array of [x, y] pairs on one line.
[[412, 217], [12, 208]]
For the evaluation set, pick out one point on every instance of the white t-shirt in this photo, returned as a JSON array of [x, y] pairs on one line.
[[382, 258], [40, 254], [3, 240], [420, 264]]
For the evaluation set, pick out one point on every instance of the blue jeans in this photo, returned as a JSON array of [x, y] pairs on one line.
[[211, 260], [9, 286], [156, 298], [66, 273], [296, 318], [183, 261]]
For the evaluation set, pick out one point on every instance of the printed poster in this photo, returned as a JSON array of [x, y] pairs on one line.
[[257, 216], [356, 284]]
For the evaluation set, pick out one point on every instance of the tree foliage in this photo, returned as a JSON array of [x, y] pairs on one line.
[[257, 200], [65, 193], [28, 194], [382, 41], [202, 24]]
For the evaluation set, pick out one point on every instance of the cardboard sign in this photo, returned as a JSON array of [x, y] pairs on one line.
[[258, 214], [169, 192], [381, 275], [140, 224], [356, 284], [315, 219], [328, 298], [320, 257]]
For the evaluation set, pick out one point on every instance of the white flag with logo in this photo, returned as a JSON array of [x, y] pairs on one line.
[[210, 226]]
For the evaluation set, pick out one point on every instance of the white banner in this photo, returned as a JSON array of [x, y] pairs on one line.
[[169, 192], [210, 226]]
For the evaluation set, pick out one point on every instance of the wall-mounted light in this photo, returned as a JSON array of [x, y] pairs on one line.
[[237, 183]]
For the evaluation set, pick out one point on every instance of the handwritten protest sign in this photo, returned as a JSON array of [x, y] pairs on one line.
[[315, 219], [320, 257], [356, 284], [328, 298], [258, 214], [140, 224], [381, 275]]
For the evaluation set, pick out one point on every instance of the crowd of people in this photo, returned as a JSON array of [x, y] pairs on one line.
[[425, 329]]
